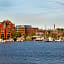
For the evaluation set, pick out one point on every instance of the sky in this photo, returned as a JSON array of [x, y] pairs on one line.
[[38, 13]]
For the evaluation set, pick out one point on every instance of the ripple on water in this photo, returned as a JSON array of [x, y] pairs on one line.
[[32, 53]]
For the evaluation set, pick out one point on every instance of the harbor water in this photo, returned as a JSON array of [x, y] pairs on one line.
[[32, 52]]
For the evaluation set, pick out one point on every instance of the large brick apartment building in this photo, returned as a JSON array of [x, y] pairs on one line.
[[6, 29], [26, 29]]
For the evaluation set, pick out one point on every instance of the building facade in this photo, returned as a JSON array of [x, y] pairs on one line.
[[26, 29], [21, 29], [6, 29]]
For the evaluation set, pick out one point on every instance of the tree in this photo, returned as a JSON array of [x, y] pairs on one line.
[[53, 35], [60, 29], [32, 34], [63, 34], [25, 35], [16, 34]]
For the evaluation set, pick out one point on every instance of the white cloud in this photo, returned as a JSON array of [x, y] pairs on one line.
[[36, 13]]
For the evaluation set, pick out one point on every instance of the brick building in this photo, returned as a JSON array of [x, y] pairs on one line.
[[6, 29], [26, 29], [21, 29]]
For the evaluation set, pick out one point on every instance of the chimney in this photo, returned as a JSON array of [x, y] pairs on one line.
[[54, 27]]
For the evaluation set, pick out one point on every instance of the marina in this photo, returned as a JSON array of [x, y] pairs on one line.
[[31, 31]]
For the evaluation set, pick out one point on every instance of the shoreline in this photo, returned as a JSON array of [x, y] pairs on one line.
[[30, 41]]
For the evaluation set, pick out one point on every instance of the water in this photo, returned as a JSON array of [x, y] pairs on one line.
[[32, 53]]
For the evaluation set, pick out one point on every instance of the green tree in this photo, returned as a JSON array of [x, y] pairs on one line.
[[16, 34], [63, 34], [60, 29], [25, 35], [53, 35], [33, 34]]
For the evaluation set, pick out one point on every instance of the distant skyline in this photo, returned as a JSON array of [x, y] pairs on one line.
[[39, 13]]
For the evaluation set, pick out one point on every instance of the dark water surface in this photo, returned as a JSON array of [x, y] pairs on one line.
[[32, 53]]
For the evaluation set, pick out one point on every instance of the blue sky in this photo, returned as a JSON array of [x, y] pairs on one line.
[[39, 13]]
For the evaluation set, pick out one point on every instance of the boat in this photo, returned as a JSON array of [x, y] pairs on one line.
[[38, 39], [19, 39], [48, 39]]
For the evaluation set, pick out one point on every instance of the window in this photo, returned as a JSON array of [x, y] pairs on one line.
[[2, 30], [4, 25], [8, 36], [13, 29], [2, 36], [9, 28]]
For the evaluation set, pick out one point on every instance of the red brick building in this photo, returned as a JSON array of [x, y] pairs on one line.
[[21, 29], [6, 29], [42, 31], [31, 30], [26, 29]]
